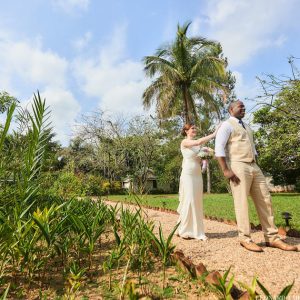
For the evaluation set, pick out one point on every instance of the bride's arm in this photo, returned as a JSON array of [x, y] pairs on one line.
[[207, 138], [201, 141]]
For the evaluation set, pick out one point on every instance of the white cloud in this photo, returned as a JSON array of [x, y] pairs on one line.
[[246, 27], [195, 27], [117, 83], [64, 109], [31, 64], [113, 50], [98, 78], [83, 42], [70, 6], [125, 98], [25, 66], [280, 41], [243, 89]]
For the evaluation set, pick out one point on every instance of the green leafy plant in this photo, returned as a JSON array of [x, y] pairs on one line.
[[8, 120], [75, 278], [164, 246], [251, 290], [5, 293], [130, 291], [224, 287], [38, 137], [282, 295], [51, 226], [113, 258]]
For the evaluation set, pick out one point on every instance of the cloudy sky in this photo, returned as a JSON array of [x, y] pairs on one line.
[[86, 54]]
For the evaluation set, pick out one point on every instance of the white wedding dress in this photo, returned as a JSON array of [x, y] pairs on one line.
[[190, 207]]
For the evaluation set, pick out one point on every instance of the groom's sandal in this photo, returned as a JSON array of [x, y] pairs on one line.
[[281, 245], [251, 246]]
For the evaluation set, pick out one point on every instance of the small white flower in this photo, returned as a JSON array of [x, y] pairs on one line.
[[205, 153]]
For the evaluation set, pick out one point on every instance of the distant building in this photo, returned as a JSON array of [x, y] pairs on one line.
[[151, 185]]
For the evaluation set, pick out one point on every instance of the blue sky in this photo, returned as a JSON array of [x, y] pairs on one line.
[[83, 55]]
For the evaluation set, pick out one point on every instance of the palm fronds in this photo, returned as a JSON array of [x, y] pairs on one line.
[[38, 136], [184, 71]]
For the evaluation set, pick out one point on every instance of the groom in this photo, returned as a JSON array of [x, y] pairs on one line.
[[236, 155]]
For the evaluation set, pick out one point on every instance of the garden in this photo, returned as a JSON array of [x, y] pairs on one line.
[[71, 229]]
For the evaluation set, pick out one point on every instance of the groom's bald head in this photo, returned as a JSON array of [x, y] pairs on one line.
[[234, 104], [237, 109]]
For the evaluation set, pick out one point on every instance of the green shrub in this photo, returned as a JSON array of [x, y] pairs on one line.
[[68, 185], [219, 184], [116, 188], [93, 185], [47, 181], [297, 185]]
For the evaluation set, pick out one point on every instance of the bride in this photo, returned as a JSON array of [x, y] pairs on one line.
[[190, 207]]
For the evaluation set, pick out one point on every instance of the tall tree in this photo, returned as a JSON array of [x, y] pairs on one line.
[[279, 119], [187, 73], [116, 147], [6, 100], [278, 135]]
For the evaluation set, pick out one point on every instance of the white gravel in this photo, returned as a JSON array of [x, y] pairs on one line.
[[273, 267]]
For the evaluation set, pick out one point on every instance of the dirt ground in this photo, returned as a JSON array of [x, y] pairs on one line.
[[273, 267]]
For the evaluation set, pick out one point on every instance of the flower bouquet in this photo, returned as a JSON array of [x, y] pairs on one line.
[[205, 153]]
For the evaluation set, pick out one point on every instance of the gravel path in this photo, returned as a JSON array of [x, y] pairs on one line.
[[273, 267]]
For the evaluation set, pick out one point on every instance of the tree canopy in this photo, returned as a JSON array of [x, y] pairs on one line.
[[190, 71], [278, 136]]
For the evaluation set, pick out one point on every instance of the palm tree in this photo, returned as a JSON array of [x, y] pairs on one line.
[[187, 73]]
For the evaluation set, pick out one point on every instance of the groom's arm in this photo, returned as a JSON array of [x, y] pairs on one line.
[[222, 137]]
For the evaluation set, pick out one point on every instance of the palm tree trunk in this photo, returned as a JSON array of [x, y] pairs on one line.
[[186, 105]]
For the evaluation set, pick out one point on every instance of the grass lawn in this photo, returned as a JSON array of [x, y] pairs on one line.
[[221, 205]]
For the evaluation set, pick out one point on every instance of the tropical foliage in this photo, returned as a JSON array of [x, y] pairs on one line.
[[44, 234], [278, 135], [188, 73]]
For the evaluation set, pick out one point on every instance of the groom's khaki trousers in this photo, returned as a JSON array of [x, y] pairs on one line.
[[253, 183]]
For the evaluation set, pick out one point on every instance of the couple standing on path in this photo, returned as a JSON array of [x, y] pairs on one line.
[[236, 155]]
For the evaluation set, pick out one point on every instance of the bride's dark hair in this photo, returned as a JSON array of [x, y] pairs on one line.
[[186, 127]]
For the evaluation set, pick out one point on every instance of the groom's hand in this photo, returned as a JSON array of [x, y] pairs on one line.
[[231, 176], [227, 171]]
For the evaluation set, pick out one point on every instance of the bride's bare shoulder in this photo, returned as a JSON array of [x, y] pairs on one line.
[[183, 143]]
